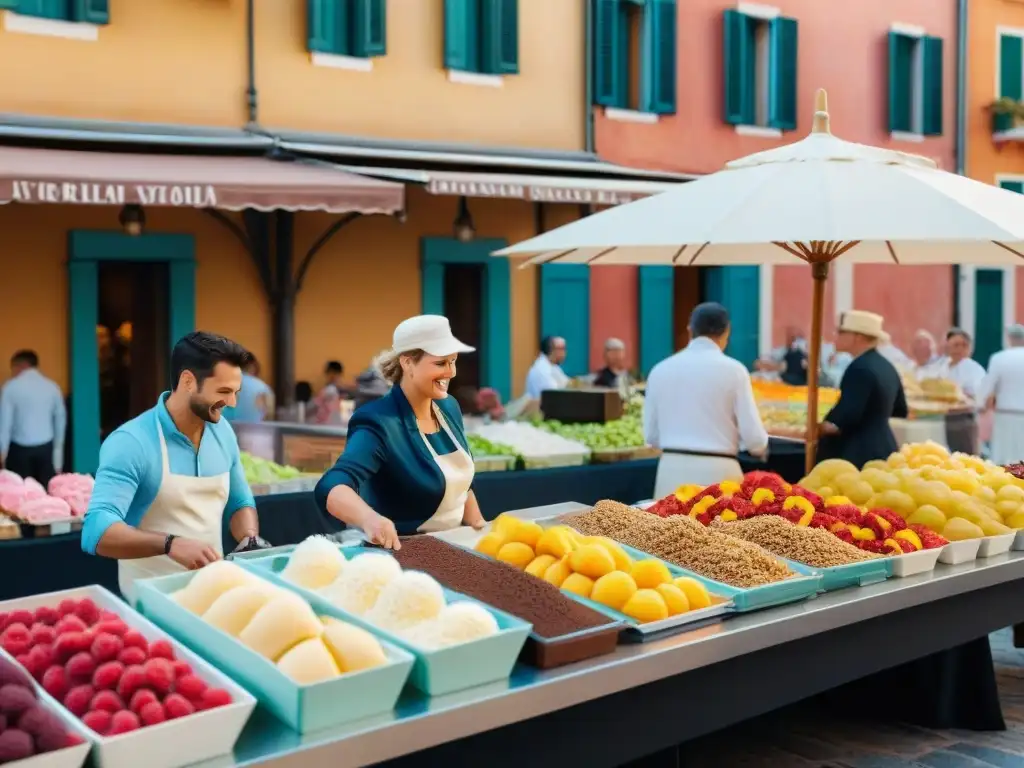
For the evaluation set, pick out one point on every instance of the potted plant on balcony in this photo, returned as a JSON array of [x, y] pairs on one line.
[[1007, 113]]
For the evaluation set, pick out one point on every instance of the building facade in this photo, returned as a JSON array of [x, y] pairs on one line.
[[744, 80]]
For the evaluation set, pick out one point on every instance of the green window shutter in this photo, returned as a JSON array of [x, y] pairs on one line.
[[369, 28], [901, 61], [91, 11], [931, 86], [461, 38], [1013, 186], [739, 289], [499, 37], [659, 70], [609, 55], [656, 320], [783, 74], [565, 311], [326, 26], [988, 314], [46, 9], [1011, 77], [11, 5], [738, 58]]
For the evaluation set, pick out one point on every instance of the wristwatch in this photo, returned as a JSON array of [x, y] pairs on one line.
[[167, 543]]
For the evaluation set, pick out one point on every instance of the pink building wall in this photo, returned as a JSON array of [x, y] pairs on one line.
[[614, 312]]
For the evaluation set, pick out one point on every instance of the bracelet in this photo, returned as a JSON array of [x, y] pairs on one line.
[[167, 543]]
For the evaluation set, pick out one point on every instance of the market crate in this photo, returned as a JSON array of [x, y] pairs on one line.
[[303, 707], [172, 744], [434, 672]]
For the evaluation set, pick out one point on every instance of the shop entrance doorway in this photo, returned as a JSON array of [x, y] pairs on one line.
[[132, 339], [463, 305], [687, 293]]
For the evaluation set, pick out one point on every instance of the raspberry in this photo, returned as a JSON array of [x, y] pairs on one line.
[[161, 649], [153, 714], [134, 639], [42, 659], [123, 722], [21, 616], [106, 646], [42, 633], [132, 679], [215, 697], [159, 675], [112, 627], [177, 706], [140, 699], [5, 619], [80, 667], [55, 682], [47, 615], [132, 656], [25, 660], [181, 669], [78, 699], [66, 646], [107, 676], [70, 623], [98, 720], [88, 612], [191, 687], [16, 639], [108, 701], [106, 615], [67, 607]]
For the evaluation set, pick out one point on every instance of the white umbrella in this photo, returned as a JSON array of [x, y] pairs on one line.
[[814, 201]]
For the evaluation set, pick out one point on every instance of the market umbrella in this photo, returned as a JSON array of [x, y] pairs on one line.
[[814, 200]]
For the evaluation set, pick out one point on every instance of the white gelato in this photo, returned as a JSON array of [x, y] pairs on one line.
[[357, 588], [411, 598], [464, 621], [315, 563]]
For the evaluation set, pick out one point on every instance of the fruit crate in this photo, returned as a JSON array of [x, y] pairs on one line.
[[304, 708], [174, 743], [435, 672]]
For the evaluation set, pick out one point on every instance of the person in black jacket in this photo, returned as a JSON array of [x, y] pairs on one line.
[[857, 428]]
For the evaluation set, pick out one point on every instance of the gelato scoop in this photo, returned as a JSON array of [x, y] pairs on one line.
[[353, 648], [409, 599], [233, 610], [209, 583], [315, 563], [457, 623], [283, 622], [357, 588], [309, 662]]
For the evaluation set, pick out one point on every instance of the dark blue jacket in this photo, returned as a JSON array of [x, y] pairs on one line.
[[387, 463]]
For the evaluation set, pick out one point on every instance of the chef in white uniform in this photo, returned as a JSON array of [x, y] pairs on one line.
[[167, 478], [700, 408], [1003, 391]]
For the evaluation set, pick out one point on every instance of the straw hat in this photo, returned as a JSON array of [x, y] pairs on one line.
[[865, 323]]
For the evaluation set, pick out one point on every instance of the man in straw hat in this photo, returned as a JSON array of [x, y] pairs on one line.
[[1003, 390], [857, 428]]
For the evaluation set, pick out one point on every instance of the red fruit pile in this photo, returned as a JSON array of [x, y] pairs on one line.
[[104, 672], [27, 727], [1017, 470]]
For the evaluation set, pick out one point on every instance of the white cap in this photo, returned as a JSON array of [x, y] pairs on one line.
[[431, 333]]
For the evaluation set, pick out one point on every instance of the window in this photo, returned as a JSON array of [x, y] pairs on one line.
[[760, 70], [482, 36], [356, 28], [634, 44], [1011, 76], [84, 11], [915, 84]]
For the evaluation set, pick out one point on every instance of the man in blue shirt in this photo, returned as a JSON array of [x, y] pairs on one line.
[[32, 420], [167, 477]]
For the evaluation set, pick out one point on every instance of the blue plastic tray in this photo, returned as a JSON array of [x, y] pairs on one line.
[[859, 574], [434, 672], [303, 707]]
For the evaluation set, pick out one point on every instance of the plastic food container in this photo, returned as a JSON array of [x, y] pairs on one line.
[[192, 739], [960, 551], [996, 545], [303, 707], [859, 574], [1018, 542], [434, 672], [550, 652], [913, 563]]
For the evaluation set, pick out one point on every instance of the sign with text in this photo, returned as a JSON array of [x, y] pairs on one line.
[[91, 193], [538, 193]]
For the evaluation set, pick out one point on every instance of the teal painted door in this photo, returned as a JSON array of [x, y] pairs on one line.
[[738, 289], [496, 317], [656, 320], [565, 312], [988, 314]]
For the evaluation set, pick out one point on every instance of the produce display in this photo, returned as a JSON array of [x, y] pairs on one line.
[[815, 547], [27, 726], [958, 496], [66, 497], [683, 541], [103, 671], [372, 585], [537, 447], [481, 446], [265, 472], [624, 433], [783, 407], [279, 625], [594, 567]]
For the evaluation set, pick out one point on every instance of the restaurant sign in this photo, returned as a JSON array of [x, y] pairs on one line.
[[90, 193], [538, 193]]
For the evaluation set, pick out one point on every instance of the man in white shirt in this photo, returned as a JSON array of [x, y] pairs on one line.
[[1003, 390], [960, 367], [926, 362], [700, 409], [546, 371], [32, 420]]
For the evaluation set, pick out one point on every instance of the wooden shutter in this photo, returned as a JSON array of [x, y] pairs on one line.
[[988, 313], [91, 11], [931, 86], [499, 38], [656, 317], [461, 39], [369, 28], [1011, 77], [609, 54], [659, 60], [783, 76], [739, 290], [737, 57], [326, 26], [901, 59], [565, 311]]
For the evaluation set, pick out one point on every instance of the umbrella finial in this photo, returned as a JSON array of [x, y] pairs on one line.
[[820, 112]]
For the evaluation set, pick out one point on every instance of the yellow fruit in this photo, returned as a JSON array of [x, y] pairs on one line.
[[1010, 493], [959, 529], [910, 536], [762, 496], [1008, 508], [505, 524], [696, 594], [648, 574], [613, 589], [896, 460], [557, 573], [555, 542], [675, 599], [729, 487], [591, 560], [1016, 520], [984, 495], [874, 464], [490, 543], [646, 605], [880, 479], [539, 565], [993, 528], [578, 584], [798, 502], [929, 517], [527, 532], [824, 491], [853, 487], [897, 501], [960, 481], [831, 468], [623, 562], [935, 493], [517, 554], [687, 492]]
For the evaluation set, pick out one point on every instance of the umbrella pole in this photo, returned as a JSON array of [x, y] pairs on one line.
[[819, 271]]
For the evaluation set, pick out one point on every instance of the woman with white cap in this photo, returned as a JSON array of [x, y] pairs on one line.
[[406, 467]]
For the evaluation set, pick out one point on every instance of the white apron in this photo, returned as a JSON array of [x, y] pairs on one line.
[[458, 469], [190, 507], [1007, 446], [675, 469]]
